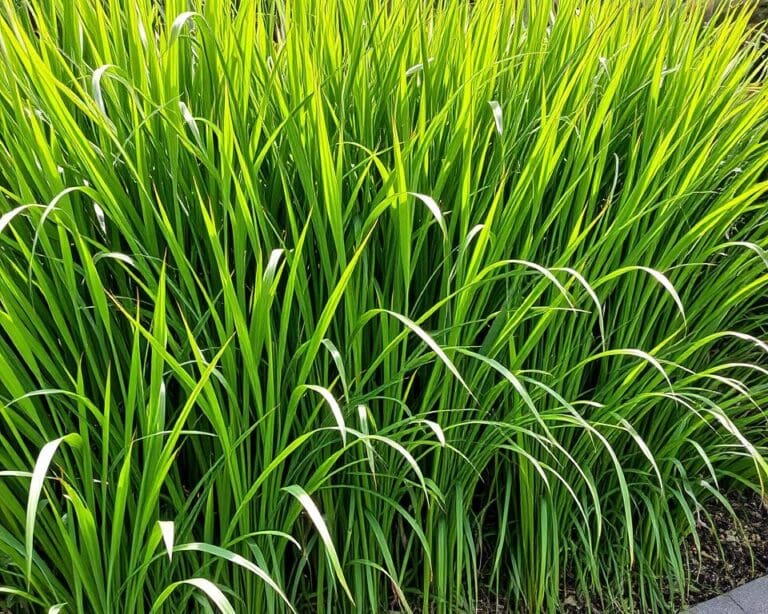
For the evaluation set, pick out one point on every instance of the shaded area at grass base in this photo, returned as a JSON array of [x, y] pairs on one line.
[[736, 553], [733, 552]]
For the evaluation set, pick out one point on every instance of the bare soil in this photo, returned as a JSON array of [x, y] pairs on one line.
[[736, 554], [732, 552]]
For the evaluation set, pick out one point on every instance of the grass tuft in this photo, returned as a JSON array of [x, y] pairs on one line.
[[357, 305]]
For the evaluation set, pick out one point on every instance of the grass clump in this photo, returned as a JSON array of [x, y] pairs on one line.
[[357, 305]]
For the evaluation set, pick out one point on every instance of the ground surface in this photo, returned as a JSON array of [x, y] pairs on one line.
[[733, 555], [736, 555], [751, 598]]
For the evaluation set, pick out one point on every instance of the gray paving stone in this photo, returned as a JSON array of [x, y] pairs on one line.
[[753, 596], [719, 605]]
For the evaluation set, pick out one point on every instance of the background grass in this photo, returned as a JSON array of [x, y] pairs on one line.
[[352, 305]]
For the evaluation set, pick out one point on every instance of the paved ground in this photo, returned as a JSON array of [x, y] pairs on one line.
[[752, 598]]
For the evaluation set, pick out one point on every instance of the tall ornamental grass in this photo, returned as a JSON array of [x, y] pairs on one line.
[[367, 305]]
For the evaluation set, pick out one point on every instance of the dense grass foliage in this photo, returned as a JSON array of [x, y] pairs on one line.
[[347, 305]]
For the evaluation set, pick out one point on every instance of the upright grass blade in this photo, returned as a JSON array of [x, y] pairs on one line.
[[35, 491]]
